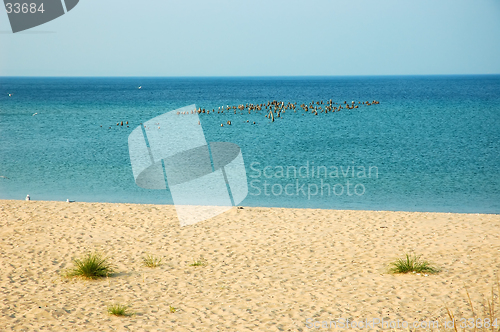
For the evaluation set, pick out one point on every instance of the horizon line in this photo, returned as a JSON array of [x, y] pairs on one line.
[[241, 76]]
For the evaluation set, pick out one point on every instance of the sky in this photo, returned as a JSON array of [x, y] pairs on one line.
[[259, 38]]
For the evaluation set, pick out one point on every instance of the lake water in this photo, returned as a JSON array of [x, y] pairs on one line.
[[432, 144]]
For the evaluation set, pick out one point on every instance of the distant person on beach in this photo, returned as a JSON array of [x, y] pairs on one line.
[[27, 197]]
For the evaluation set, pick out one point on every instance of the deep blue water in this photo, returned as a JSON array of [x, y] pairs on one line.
[[433, 143]]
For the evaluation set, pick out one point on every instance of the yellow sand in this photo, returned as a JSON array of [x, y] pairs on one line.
[[269, 269]]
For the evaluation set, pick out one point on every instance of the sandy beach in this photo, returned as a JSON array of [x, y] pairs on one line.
[[268, 269]]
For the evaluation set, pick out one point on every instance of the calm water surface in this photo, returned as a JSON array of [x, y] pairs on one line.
[[432, 144]]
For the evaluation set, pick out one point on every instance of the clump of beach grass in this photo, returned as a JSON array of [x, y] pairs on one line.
[[199, 262], [489, 321], [151, 261], [119, 310], [412, 263], [172, 310], [90, 266]]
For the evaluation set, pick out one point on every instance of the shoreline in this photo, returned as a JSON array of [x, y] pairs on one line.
[[255, 207], [268, 269]]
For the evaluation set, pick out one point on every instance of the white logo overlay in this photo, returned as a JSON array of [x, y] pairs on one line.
[[205, 180]]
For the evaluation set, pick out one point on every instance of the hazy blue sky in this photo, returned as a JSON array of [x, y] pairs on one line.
[[259, 38]]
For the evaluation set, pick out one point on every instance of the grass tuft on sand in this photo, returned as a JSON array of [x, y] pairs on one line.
[[91, 266], [199, 262], [119, 310], [488, 321], [411, 263], [151, 261]]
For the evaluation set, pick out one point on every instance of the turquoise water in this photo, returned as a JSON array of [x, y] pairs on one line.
[[432, 144]]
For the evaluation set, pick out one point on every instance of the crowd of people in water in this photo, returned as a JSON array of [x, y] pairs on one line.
[[276, 109]]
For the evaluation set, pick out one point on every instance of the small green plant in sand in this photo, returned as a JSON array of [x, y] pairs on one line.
[[119, 310], [199, 262], [151, 261], [90, 266], [172, 309], [488, 321], [411, 263]]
